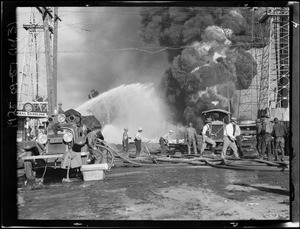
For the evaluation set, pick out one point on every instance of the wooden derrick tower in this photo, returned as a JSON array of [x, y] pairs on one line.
[[269, 91], [37, 90]]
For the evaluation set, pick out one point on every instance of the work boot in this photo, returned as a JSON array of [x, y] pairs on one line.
[[213, 150]]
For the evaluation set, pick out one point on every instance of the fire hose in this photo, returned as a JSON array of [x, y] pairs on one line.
[[249, 167], [127, 159], [217, 163]]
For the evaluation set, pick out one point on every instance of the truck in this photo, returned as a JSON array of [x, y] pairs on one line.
[[220, 118], [64, 132]]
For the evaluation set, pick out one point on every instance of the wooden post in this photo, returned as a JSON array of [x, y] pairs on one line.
[[55, 37], [49, 70]]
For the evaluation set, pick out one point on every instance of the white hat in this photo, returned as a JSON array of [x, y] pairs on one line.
[[140, 128], [233, 119], [171, 131]]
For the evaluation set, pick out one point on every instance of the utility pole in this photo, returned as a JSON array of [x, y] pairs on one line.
[[50, 55], [55, 38], [49, 70], [49, 67]]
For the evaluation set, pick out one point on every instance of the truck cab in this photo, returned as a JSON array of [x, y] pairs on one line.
[[220, 118], [64, 131]]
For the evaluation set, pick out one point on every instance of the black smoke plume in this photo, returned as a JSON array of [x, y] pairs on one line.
[[208, 55]]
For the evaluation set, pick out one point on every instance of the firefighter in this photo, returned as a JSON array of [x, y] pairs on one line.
[[206, 137], [164, 141], [94, 137], [125, 141], [191, 137], [266, 131], [138, 141], [279, 132], [230, 138]]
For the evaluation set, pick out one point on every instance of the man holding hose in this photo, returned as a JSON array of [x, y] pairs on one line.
[[138, 141]]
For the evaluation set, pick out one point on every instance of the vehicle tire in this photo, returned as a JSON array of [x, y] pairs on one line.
[[104, 155], [29, 174]]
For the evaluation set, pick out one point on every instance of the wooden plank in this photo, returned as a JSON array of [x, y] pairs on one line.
[[50, 156], [42, 156]]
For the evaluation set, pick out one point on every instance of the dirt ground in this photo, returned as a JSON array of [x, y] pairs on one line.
[[166, 191]]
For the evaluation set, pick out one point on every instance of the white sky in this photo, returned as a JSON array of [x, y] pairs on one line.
[[93, 53]]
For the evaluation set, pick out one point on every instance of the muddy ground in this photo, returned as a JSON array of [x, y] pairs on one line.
[[166, 192]]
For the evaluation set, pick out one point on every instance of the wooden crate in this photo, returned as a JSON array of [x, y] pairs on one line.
[[94, 171]]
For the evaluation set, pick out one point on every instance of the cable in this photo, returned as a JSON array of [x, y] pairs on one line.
[[118, 50], [44, 171]]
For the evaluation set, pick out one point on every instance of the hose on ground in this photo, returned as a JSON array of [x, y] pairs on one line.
[[127, 159], [247, 168], [273, 166]]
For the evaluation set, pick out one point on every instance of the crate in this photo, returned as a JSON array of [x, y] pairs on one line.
[[94, 171]]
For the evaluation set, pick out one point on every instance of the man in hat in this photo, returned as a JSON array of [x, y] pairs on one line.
[[266, 131], [164, 141], [95, 137], [125, 141], [279, 132], [230, 138], [138, 141], [191, 137], [206, 137]]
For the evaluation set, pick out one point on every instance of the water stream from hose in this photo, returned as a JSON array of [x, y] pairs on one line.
[[132, 106]]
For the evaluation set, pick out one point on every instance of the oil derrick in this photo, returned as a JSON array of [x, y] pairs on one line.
[[248, 98], [37, 77], [274, 77], [269, 91]]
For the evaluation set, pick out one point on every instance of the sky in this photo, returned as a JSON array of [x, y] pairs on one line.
[[99, 48]]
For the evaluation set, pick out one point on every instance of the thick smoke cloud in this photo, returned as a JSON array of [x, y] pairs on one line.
[[208, 56]]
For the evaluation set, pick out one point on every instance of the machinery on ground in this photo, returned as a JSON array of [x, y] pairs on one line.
[[65, 132]]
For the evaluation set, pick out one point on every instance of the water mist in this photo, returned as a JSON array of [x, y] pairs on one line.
[[133, 106]]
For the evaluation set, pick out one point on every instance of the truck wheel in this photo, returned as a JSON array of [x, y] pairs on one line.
[[29, 174]]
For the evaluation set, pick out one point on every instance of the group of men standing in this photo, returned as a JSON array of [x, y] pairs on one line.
[[231, 139], [270, 138], [138, 138], [266, 132]]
